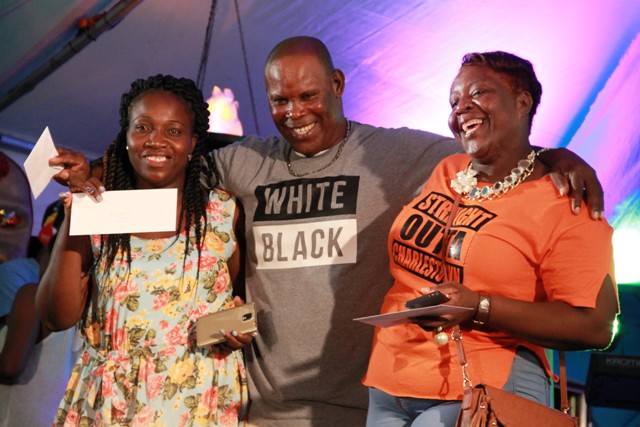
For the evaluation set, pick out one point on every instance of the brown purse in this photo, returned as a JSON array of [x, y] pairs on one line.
[[489, 406], [484, 405]]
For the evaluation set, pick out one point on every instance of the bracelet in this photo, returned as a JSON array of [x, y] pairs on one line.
[[483, 311]]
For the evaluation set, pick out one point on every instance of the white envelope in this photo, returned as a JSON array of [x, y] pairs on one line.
[[125, 211], [36, 166]]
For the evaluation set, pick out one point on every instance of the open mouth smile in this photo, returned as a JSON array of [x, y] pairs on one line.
[[302, 130], [470, 126]]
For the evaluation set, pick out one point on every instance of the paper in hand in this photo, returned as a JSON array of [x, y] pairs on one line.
[[124, 211], [37, 168], [405, 316]]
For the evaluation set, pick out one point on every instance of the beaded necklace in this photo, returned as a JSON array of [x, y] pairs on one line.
[[466, 184]]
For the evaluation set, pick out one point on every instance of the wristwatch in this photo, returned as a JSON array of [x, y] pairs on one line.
[[483, 311]]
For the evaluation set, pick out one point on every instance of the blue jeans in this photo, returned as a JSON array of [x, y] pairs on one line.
[[527, 379]]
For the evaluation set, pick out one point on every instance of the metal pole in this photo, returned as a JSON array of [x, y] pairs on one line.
[[104, 23]]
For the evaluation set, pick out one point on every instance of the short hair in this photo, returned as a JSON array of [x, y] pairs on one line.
[[302, 44], [520, 70]]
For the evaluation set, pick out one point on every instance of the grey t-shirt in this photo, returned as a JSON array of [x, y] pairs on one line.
[[317, 259]]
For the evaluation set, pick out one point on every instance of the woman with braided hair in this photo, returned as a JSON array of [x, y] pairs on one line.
[[137, 296]]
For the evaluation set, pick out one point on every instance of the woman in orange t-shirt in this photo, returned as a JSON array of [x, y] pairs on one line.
[[532, 275]]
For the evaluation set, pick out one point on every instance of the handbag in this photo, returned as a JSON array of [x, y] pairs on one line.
[[484, 405], [490, 406]]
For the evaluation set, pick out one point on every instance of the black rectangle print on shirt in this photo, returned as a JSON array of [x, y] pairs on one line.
[[307, 198]]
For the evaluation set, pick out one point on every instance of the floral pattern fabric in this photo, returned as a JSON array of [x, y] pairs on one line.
[[140, 365]]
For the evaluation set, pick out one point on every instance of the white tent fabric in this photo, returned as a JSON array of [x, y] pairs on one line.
[[399, 59]]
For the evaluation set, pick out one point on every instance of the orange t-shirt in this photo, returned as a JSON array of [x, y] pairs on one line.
[[525, 245]]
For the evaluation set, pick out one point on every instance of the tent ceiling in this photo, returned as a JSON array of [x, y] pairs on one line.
[[399, 57]]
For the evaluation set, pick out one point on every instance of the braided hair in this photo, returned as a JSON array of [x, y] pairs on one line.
[[118, 173]]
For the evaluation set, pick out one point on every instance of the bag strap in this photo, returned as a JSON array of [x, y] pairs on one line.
[[564, 394], [456, 334]]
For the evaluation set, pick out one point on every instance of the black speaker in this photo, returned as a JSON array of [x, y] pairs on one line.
[[613, 381]]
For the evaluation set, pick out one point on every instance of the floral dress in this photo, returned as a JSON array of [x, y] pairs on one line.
[[140, 365]]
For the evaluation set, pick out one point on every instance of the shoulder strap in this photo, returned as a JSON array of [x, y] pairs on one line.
[[564, 394]]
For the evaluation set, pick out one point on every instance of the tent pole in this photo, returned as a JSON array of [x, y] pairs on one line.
[[106, 22]]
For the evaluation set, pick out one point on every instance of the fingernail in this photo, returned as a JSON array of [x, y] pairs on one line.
[[254, 334], [102, 189], [234, 333], [576, 210], [64, 194], [223, 332], [99, 198]]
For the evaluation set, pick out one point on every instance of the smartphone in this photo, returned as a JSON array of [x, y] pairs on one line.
[[426, 300], [241, 319]]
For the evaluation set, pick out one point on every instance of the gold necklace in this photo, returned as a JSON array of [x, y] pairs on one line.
[[466, 184], [342, 143]]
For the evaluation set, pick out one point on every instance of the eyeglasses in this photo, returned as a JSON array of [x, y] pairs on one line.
[[9, 219]]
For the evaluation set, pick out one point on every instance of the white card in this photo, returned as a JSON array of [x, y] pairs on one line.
[[125, 211], [37, 167], [401, 317]]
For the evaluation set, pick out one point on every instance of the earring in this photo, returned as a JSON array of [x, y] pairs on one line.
[[189, 157], [126, 147]]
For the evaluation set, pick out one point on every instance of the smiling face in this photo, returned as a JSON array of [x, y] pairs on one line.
[[305, 99], [488, 116], [159, 139]]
